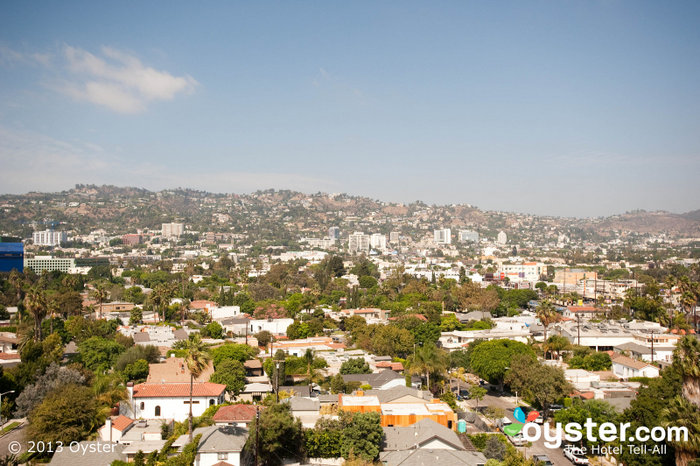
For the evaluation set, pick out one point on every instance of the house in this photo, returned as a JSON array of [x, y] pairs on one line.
[[586, 312], [307, 410], [88, 453], [255, 391], [218, 445], [399, 414], [170, 400], [202, 305], [299, 347], [401, 394], [237, 325], [635, 351], [625, 367], [142, 435], [174, 370], [114, 428], [381, 380], [253, 368], [237, 415], [426, 442]]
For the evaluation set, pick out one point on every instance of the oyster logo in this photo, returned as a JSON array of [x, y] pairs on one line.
[[514, 429]]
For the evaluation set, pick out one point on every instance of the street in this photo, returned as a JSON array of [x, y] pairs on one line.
[[507, 403], [17, 435]]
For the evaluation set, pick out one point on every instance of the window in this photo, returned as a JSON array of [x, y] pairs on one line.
[[211, 402], [157, 410], [222, 456], [143, 406]]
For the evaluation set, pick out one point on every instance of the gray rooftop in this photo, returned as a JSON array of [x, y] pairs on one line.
[[391, 394], [108, 452], [634, 348], [413, 436], [299, 403], [425, 457], [217, 439], [141, 337], [376, 379]]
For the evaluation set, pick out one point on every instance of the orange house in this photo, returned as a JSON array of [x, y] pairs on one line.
[[400, 414]]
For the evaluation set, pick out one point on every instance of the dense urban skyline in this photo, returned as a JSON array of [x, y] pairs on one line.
[[562, 109]]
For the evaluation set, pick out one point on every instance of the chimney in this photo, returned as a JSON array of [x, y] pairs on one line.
[[130, 390], [108, 425]]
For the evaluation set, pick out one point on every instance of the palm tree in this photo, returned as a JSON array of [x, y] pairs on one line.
[[100, 294], [161, 296], [311, 373], [684, 414], [35, 303], [197, 361], [427, 359], [16, 281], [686, 358], [547, 314]]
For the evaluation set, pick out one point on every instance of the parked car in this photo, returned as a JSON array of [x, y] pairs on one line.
[[575, 454], [542, 460], [517, 440]]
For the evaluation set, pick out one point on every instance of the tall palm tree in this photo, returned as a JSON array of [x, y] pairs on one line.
[[427, 359], [35, 303], [100, 294], [197, 360], [161, 296], [17, 281], [682, 413], [686, 358], [547, 314]]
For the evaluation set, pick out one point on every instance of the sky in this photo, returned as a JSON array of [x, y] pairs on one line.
[[572, 108]]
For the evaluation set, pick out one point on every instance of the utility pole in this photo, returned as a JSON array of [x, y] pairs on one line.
[[578, 318], [652, 347], [277, 380], [257, 427]]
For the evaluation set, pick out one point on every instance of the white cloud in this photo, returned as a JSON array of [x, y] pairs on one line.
[[120, 81], [112, 78]]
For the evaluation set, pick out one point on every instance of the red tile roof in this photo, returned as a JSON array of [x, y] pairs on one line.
[[394, 366], [583, 309], [9, 356], [201, 304], [121, 422], [235, 413], [157, 390]]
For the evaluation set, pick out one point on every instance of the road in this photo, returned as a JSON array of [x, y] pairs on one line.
[[507, 403], [17, 435]]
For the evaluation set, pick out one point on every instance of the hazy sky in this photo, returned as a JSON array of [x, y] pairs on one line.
[[553, 107]]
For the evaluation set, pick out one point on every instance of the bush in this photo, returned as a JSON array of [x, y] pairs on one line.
[[150, 353], [355, 366], [137, 371]]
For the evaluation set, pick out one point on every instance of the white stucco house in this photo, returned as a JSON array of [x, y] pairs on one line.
[[625, 368], [170, 400]]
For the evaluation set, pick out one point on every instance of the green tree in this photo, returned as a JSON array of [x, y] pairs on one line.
[[362, 437], [150, 353], [541, 384], [594, 361], [213, 330], [100, 294], [136, 316], [99, 354], [495, 448], [490, 359], [230, 373], [264, 338], [197, 361], [478, 393], [65, 415], [547, 314], [237, 351], [355, 366], [337, 384], [279, 435], [428, 359], [36, 304], [136, 371], [598, 410]]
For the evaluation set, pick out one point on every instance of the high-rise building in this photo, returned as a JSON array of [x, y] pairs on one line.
[[442, 236], [394, 237], [468, 235], [49, 238], [502, 238], [358, 242], [378, 241], [334, 233], [172, 230], [11, 254]]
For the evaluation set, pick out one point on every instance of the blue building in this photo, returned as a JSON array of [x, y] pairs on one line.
[[11, 254]]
